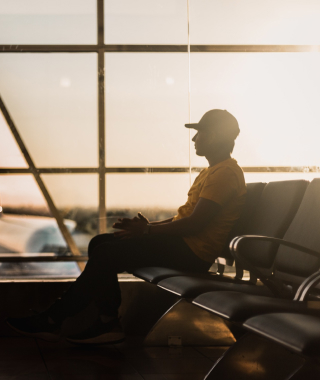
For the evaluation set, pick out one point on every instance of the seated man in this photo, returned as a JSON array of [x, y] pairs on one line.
[[190, 241]]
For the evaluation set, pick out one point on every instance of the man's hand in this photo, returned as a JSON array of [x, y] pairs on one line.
[[142, 217], [124, 222], [131, 227]]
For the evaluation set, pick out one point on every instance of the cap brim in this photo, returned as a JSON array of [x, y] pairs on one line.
[[194, 125]]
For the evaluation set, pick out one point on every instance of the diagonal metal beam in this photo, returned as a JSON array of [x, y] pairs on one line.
[[101, 121], [55, 213]]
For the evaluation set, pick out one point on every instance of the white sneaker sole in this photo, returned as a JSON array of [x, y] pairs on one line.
[[41, 335], [108, 338]]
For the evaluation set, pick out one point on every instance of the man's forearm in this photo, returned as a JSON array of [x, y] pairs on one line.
[[181, 227]]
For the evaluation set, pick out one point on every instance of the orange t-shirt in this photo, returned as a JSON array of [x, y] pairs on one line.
[[224, 184]]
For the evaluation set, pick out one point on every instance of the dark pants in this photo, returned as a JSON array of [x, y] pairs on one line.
[[108, 256]]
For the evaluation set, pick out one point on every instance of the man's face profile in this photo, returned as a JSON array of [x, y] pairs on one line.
[[203, 142]]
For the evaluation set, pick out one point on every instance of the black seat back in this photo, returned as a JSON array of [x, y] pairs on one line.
[[276, 209], [292, 265], [254, 191]]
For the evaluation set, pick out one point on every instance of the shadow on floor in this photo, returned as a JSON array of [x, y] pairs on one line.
[[31, 359]]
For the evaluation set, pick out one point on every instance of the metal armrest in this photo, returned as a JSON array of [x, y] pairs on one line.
[[222, 262], [306, 285], [304, 289], [237, 240]]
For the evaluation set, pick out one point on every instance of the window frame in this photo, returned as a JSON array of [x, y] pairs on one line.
[[102, 169]]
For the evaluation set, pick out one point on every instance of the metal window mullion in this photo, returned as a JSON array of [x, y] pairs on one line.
[[101, 120], [189, 92]]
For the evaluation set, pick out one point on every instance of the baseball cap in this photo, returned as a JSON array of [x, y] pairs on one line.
[[218, 120]]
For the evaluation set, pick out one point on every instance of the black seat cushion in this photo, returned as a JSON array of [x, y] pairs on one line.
[[191, 287], [238, 307], [156, 274], [300, 333]]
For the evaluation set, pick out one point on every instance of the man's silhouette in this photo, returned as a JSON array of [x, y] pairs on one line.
[[189, 241]]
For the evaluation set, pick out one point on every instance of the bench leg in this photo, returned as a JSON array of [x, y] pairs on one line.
[[310, 371], [187, 325], [255, 358]]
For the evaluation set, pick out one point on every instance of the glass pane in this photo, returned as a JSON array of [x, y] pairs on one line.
[[146, 22], [39, 270], [52, 99], [22, 192], [255, 22], [10, 154], [48, 22], [146, 109], [275, 98], [157, 196], [76, 197], [26, 224]]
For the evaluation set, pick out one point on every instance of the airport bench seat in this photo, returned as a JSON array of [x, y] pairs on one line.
[[156, 274], [296, 267], [284, 334], [300, 333], [268, 210], [293, 277], [295, 333], [238, 307], [275, 211], [278, 346], [190, 287]]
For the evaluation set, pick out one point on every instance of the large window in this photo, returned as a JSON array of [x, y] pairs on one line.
[[94, 95]]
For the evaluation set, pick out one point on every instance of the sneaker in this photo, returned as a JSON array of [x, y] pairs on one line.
[[100, 333], [36, 326]]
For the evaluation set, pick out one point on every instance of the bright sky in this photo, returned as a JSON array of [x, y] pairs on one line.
[[53, 97]]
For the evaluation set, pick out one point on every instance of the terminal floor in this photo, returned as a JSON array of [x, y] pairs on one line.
[[32, 359]]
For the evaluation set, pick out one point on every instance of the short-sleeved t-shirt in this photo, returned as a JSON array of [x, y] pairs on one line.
[[224, 184]]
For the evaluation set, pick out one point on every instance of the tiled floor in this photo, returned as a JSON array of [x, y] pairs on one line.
[[30, 359]]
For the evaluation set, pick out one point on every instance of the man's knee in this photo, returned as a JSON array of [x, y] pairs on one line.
[[98, 240], [92, 244], [97, 256]]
